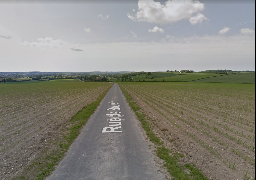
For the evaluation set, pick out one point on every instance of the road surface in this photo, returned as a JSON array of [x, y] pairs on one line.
[[111, 146]]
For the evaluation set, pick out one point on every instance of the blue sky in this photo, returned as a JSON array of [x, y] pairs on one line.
[[133, 35]]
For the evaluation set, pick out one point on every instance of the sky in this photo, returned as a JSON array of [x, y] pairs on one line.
[[135, 35]]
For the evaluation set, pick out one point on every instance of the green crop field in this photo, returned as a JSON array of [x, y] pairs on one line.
[[187, 77], [35, 120], [211, 124], [246, 78], [141, 76], [169, 76]]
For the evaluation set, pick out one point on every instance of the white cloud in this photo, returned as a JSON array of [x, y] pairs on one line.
[[172, 11], [102, 17], [87, 30], [131, 17], [156, 30], [168, 36], [247, 31], [199, 18], [224, 30], [201, 53], [133, 34], [47, 42]]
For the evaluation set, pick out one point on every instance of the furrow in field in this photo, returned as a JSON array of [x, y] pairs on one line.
[[209, 131], [44, 107], [197, 109], [198, 116], [204, 106], [233, 147], [47, 117], [29, 136], [206, 128], [177, 138]]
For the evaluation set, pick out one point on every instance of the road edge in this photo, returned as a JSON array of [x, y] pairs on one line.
[[169, 162]]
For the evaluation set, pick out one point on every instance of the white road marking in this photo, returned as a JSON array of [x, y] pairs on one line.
[[115, 119], [116, 124], [110, 129]]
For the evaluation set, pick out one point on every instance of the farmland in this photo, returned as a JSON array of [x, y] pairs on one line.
[[34, 118], [234, 77], [211, 124], [246, 78], [167, 76]]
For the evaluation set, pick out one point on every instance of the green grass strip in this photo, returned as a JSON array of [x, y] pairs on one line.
[[52, 159], [176, 170], [145, 124]]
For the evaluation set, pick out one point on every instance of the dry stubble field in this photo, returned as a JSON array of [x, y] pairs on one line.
[[211, 124], [32, 116]]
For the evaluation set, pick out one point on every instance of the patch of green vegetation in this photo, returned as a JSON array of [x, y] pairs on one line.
[[141, 117], [22, 82], [163, 74], [63, 80], [45, 166], [173, 167], [186, 77], [168, 76], [176, 170], [242, 78], [150, 76], [195, 173]]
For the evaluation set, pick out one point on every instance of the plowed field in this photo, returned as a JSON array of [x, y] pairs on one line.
[[32, 117], [211, 124]]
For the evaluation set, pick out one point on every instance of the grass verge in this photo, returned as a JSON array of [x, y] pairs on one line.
[[46, 163], [176, 170]]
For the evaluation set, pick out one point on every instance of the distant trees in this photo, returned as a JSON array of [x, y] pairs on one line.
[[94, 78], [36, 77], [186, 71], [8, 80], [149, 75], [126, 77]]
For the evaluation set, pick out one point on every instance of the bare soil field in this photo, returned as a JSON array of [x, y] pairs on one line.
[[33, 116], [212, 125]]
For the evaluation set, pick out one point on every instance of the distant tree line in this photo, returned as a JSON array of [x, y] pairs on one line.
[[186, 71], [4, 80], [126, 77], [94, 78]]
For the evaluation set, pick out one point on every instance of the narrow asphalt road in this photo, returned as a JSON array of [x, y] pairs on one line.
[[111, 146]]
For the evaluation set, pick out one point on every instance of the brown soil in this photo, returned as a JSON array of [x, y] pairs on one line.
[[189, 129], [33, 126]]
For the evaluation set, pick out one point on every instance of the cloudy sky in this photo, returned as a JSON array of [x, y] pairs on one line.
[[142, 35]]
